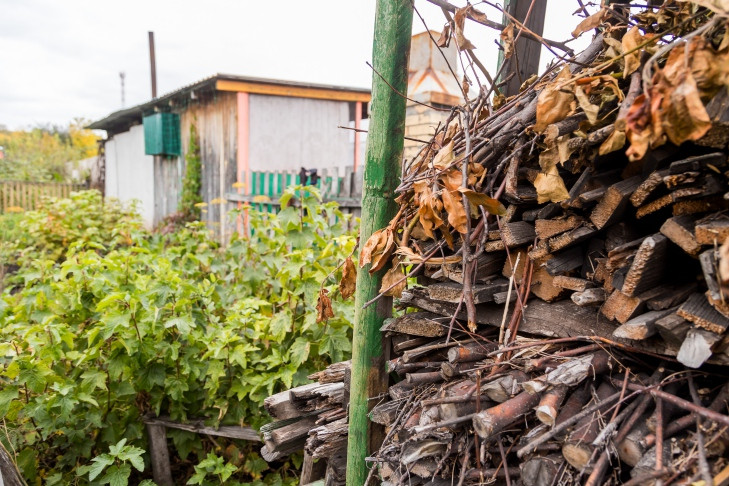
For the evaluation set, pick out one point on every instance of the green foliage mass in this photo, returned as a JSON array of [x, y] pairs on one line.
[[104, 323], [191, 183], [41, 153]]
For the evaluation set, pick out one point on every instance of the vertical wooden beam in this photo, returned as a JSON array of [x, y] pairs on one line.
[[390, 53], [525, 60], [160, 456]]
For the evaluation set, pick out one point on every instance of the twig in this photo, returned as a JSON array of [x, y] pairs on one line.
[[402, 95], [704, 469], [362, 130]]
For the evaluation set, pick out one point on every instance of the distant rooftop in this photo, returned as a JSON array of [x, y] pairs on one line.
[[121, 120]]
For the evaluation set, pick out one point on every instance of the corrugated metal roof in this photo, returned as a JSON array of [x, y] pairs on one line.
[[122, 119]]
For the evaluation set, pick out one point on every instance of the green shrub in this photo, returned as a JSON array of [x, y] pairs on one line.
[[112, 323]]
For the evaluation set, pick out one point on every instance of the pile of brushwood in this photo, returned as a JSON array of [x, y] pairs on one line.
[[568, 326]]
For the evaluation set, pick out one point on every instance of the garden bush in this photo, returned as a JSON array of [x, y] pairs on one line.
[[104, 323]]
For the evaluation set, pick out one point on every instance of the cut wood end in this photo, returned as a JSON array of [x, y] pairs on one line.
[[578, 455], [546, 414]]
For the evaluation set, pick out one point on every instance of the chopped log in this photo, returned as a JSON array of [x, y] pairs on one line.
[[286, 440], [408, 343], [699, 311], [646, 188], [575, 402], [642, 326], [572, 283], [327, 440], [423, 378], [451, 411], [385, 413], [487, 265], [310, 398], [198, 427], [647, 269], [504, 387], [333, 373], [698, 163], [425, 324], [633, 447], [589, 297], [578, 448], [703, 205], [696, 348], [453, 292], [709, 267], [398, 366], [673, 328], [400, 390], [548, 407], [451, 371], [540, 470], [565, 261], [571, 238], [501, 297], [493, 420], [547, 228], [571, 372], [279, 406], [470, 352], [416, 451], [680, 230], [613, 204], [667, 200], [621, 307], [518, 233], [666, 296], [312, 470], [712, 231], [647, 463], [592, 196], [542, 285]]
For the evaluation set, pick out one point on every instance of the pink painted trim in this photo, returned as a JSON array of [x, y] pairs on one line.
[[243, 164], [357, 126]]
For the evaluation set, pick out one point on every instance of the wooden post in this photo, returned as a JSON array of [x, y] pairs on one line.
[[157, 436], [390, 53], [525, 60]]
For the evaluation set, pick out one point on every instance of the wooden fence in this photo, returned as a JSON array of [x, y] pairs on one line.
[[267, 187], [23, 195]]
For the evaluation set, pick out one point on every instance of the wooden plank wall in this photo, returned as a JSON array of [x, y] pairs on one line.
[[216, 123], [25, 196]]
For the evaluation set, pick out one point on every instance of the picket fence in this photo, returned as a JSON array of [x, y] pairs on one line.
[[24, 195]]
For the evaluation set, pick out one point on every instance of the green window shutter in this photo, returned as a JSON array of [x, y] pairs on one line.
[[162, 134]]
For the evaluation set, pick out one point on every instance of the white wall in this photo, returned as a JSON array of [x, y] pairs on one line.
[[290, 133], [130, 173]]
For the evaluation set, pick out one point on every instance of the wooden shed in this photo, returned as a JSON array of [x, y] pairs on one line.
[[245, 125]]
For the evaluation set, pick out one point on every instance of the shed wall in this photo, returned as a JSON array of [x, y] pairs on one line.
[[130, 173], [289, 133]]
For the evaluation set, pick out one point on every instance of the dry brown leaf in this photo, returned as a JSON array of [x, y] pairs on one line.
[[724, 266], [324, 310], [591, 22], [445, 157], [348, 283], [456, 212], [429, 207], [378, 249], [638, 128], [445, 36], [452, 179], [459, 21], [615, 141], [682, 113], [721, 7], [631, 40], [548, 183], [590, 109], [507, 40], [490, 204], [478, 16], [554, 102], [396, 279]]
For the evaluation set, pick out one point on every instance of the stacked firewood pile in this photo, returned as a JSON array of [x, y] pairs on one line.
[[572, 264]]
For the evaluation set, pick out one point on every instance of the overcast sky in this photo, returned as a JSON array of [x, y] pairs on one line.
[[61, 59]]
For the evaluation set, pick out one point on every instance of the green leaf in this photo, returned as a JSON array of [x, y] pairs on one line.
[[280, 324], [184, 324], [97, 466], [299, 351], [7, 395], [117, 475]]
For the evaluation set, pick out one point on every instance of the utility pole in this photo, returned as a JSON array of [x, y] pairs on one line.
[[390, 53], [122, 75], [153, 64]]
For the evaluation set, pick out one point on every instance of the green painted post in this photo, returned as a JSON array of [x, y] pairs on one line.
[[390, 53]]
